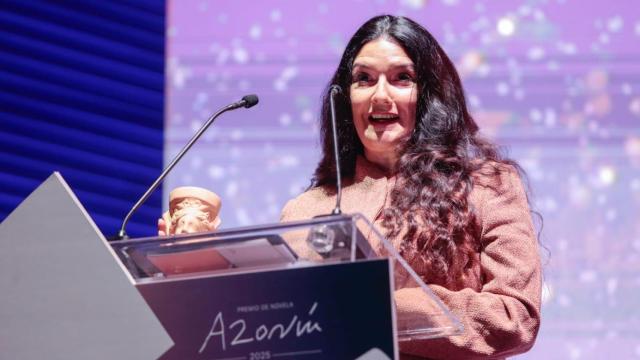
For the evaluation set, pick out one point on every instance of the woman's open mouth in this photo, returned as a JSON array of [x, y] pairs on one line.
[[383, 118]]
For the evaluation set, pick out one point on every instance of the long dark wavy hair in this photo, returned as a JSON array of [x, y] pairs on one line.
[[429, 203]]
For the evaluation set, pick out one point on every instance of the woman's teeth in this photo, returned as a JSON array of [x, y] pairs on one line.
[[382, 117]]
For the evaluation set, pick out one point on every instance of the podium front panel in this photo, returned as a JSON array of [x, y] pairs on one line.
[[332, 311]]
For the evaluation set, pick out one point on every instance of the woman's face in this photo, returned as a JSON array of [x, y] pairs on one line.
[[383, 97]]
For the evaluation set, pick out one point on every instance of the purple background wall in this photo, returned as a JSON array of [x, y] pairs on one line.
[[556, 82]]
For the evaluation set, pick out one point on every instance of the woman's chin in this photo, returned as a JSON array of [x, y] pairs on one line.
[[382, 144], [389, 136]]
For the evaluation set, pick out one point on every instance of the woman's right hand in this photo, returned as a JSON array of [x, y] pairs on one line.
[[164, 224]]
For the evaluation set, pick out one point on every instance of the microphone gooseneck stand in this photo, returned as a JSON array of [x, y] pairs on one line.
[[335, 89], [246, 102]]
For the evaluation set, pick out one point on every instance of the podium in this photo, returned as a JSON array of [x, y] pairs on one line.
[[329, 288]]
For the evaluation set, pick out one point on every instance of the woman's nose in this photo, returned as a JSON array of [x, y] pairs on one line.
[[381, 95]]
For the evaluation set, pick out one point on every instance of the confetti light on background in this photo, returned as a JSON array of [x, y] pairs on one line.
[[557, 83]]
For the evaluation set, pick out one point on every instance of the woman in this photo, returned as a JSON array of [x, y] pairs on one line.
[[416, 167]]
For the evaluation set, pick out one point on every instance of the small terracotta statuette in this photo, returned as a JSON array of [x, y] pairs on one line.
[[191, 209]]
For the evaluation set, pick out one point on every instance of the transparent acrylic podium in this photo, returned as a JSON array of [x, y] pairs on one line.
[[419, 314]]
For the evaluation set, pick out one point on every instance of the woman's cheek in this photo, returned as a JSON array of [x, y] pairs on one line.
[[370, 133]]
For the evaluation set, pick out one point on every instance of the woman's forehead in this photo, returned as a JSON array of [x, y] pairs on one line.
[[382, 51]]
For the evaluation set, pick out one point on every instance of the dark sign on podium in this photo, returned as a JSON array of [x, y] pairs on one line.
[[343, 311]]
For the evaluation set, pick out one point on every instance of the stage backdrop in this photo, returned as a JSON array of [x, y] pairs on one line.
[[82, 93], [555, 82]]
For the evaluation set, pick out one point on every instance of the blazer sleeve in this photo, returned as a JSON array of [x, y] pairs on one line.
[[503, 318]]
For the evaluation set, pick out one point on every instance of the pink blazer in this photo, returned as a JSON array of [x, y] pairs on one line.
[[501, 310]]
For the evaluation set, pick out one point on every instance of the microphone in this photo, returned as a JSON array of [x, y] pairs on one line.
[[323, 239], [334, 90], [246, 102], [340, 240]]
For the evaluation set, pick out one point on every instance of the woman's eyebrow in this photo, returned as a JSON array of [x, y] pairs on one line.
[[409, 66], [361, 65]]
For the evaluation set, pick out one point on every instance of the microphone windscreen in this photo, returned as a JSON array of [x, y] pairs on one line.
[[250, 100]]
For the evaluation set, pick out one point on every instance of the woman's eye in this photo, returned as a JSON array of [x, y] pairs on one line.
[[405, 77], [361, 78]]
